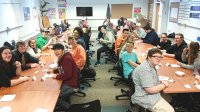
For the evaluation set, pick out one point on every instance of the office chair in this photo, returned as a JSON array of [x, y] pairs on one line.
[[120, 79]]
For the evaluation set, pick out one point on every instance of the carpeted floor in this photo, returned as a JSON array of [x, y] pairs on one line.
[[103, 88]]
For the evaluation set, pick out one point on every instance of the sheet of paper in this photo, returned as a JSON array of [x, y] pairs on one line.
[[174, 65], [48, 75], [162, 78], [41, 110], [53, 65], [198, 86], [5, 109], [8, 98], [187, 86]]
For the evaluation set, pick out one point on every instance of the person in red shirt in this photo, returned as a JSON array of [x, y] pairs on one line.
[[66, 71]]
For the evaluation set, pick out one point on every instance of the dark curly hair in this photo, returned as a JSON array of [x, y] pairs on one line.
[[79, 30]]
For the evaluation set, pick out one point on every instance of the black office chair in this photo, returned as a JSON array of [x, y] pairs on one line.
[[120, 78]]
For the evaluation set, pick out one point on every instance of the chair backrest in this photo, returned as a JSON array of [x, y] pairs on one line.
[[131, 88]]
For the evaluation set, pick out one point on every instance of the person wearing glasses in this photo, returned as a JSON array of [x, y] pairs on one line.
[[164, 43], [147, 85], [9, 69], [175, 51]]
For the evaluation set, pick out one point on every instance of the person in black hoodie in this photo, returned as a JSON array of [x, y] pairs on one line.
[[151, 37], [175, 51], [24, 57]]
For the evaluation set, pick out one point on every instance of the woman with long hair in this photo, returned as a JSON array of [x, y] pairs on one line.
[[9, 68], [191, 56]]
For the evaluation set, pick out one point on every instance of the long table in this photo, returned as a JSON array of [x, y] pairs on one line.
[[180, 81], [34, 94]]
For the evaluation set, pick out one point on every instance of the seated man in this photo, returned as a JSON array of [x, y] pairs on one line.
[[120, 41], [66, 71], [41, 41], [107, 43], [139, 31], [25, 58], [175, 51], [78, 52], [129, 60], [164, 43], [78, 33], [151, 36], [147, 84]]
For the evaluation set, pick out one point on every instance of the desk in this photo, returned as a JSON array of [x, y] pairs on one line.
[[178, 85], [29, 101]]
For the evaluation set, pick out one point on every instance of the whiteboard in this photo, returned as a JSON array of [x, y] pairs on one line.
[[10, 15]]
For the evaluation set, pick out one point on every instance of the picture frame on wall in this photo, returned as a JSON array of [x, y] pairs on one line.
[[174, 8]]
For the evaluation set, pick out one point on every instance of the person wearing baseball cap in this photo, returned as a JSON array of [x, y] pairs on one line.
[[66, 71]]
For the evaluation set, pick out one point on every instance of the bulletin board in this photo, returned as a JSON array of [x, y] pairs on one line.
[[121, 10], [189, 13], [12, 18]]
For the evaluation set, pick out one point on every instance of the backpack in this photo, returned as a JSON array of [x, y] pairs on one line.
[[88, 72]]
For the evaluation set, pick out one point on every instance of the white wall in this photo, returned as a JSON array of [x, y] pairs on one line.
[[190, 33], [99, 10], [29, 28]]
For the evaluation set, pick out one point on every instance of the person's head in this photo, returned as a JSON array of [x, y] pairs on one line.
[[54, 24], [164, 37], [62, 22], [65, 21], [125, 32], [132, 24], [44, 33], [78, 32], [107, 20], [32, 43], [154, 56], [58, 50], [129, 46], [51, 31], [103, 29], [6, 54], [131, 37], [193, 52], [21, 46], [137, 26], [72, 40], [147, 29], [179, 38]]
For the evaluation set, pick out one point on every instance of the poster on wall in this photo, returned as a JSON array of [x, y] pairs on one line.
[[27, 15], [62, 4], [137, 11], [52, 13], [62, 13]]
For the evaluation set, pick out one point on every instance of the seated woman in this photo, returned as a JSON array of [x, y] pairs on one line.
[[78, 52], [191, 56], [164, 43], [9, 68], [129, 60], [32, 49]]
